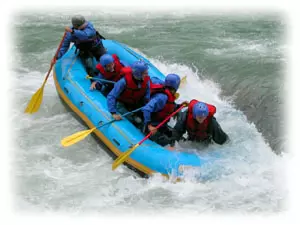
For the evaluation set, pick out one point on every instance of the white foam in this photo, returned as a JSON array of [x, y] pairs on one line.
[[248, 178]]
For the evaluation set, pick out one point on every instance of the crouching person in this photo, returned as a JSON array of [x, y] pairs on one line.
[[200, 124]]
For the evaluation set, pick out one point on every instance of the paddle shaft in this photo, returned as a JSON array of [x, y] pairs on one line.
[[55, 56], [125, 114], [103, 80], [74, 138]]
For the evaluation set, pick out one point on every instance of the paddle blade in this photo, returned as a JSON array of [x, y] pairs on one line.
[[183, 81], [35, 102], [123, 157], [74, 138]]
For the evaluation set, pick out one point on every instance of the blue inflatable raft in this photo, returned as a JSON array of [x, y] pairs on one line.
[[91, 106]]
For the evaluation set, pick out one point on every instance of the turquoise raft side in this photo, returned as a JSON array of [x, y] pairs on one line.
[[119, 136]]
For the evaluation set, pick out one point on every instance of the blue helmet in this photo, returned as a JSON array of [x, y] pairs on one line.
[[106, 59], [172, 80], [200, 109], [138, 68]]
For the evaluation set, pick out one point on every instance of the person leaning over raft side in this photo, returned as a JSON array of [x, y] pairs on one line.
[[110, 68], [132, 91], [161, 104], [86, 39], [200, 124]]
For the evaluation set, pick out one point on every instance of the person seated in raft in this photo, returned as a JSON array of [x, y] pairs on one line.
[[109, 68], [87, 40], [200, 124], [132, 91], [161, 104]]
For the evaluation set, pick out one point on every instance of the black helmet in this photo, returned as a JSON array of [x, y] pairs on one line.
[[77, 21]]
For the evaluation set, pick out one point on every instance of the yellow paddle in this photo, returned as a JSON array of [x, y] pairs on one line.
[[182, 81], [36, 100], [126, 154], [74, 138]]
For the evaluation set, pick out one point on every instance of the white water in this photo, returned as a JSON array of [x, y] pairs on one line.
[[46, 176]]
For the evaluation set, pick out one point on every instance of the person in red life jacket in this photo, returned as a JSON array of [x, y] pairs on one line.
[[161, 104], [132, 91], [109, 69], [86, 39], [200, 124]]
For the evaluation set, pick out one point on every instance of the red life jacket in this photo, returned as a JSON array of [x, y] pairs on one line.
[[197, 131], [169, 106], [132, 94], [113, 76]]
